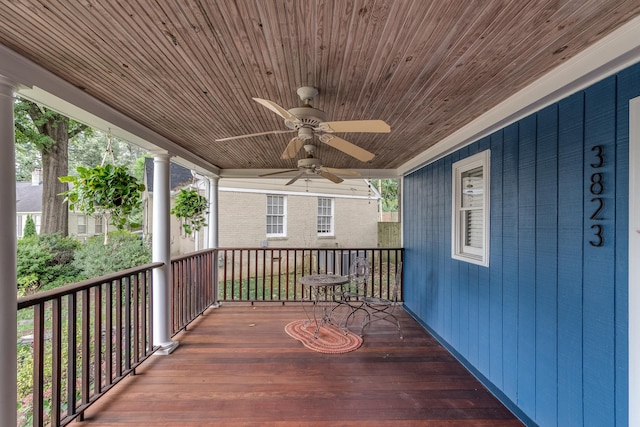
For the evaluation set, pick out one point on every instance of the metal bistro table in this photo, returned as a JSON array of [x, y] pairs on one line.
[[321, 285]]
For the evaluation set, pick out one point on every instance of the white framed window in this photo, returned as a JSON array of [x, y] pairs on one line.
[[98, 226], [470, 209], [82, 224], [276, 216], [19, 226], [325, 216]]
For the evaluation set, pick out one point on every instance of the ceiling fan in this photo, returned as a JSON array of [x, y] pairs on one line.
[[311, 165], [307, 121]]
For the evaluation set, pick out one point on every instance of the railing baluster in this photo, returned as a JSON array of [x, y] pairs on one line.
[[97, 339], [72, 360], [56, 360], [85, 343], [136, 319], [233, 275], [288, 295], [108, 334], [255, 274], [119, 328], [127, 322], [279, 274], [38, 363]]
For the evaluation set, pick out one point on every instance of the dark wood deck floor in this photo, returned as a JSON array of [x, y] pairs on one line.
[[236, 366]]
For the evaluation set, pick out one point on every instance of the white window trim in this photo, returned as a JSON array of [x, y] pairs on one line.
[[284, 216], [331, 231], [85, 223], [458, 250]]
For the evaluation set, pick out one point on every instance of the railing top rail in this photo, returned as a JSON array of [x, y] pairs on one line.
[[309, 249], [192, 254], [41, 297]]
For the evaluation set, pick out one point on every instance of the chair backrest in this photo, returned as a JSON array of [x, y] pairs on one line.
[[358, 273], [359, 269], [397, 284]]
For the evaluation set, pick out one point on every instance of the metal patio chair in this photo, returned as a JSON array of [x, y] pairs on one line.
[[352, 293], [379, 308]]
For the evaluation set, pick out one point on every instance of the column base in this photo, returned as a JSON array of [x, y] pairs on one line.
[[166, 348]]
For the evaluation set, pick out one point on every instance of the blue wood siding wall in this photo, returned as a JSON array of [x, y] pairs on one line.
[[546, 323]]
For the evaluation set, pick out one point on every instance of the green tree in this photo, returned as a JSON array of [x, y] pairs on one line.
[[48, 132], [89, 150], [29, 228], [389, 191]]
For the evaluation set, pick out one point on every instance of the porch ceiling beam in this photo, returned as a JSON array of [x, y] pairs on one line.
[[254, 173]]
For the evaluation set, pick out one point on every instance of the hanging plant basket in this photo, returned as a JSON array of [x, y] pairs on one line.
[[191, 209], [105, 190]]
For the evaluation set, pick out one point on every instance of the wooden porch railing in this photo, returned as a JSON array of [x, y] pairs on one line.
[[192, 290], [85, 337], [271, 274], [82, 339]]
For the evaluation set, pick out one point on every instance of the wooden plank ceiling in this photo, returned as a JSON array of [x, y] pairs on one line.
[[188, 69]]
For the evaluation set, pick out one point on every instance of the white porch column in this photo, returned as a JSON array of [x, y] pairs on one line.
[[212, 229], [8, 288], [161, 248], [213, 212]]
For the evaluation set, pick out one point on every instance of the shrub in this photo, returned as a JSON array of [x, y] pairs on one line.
[[45, 262], [29, 227], [124, 250]]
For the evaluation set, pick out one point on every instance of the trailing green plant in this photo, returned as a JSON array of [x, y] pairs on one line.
[[124, 250], [29, 227], [191, 209], [107, 190]]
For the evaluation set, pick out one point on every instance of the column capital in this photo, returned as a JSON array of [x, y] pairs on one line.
[[160, 155], [7, 86]]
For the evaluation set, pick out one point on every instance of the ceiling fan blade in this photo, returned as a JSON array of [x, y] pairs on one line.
[[329, 176], [271, 132], [342, 171], [295, 178], [278, 173], [346, 147], [293, 147], [370, 126], [277, 109]]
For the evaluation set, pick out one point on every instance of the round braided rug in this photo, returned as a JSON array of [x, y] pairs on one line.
[[331, 339]]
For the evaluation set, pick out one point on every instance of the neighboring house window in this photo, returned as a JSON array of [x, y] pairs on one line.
[[325, 216], [276, 216], [98, 227], [470, 228], [82, 224], [19, 226]]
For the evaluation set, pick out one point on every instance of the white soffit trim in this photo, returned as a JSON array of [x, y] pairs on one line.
[[613, 53], [255, 173], [41, 86]]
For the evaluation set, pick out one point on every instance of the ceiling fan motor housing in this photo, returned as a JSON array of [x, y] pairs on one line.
[[309, 117], [309, 163]]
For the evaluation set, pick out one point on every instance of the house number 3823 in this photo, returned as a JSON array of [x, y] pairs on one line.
[[596, 188]]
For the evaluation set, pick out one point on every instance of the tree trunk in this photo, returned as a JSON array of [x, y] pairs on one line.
[[55, 163]]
